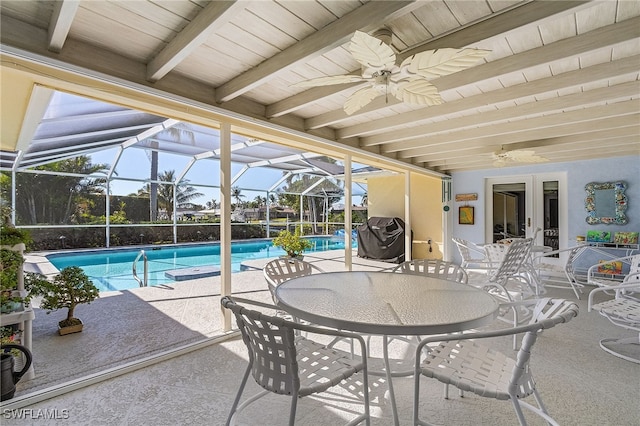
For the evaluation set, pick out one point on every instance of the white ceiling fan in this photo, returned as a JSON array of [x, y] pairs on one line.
[[408, 82], [502, 157]]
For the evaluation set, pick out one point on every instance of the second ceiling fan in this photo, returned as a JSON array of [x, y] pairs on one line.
[[407, 81]]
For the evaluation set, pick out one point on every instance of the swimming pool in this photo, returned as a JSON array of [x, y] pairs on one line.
[[110, 269]]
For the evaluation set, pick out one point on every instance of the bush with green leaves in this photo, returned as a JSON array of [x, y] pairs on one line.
[[10, 236], [293, 244]]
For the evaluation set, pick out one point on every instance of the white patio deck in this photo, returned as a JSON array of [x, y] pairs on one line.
[[580, 383]]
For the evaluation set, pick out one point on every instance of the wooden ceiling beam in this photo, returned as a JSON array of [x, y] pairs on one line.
[[64, 12], [600, 38], [366, 17], [211, 18], [549, 152], [527, 14], [462, 150], [581, 121], [621, 91], [488, 163], [393, 126]]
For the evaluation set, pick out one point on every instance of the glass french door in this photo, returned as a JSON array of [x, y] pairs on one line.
[[528, 206], [509, 208]]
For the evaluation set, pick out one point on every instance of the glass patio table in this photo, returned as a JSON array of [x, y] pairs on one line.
[[387, 304]]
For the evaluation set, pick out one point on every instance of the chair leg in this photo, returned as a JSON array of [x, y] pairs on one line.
[[536, 395], [550, 421], [294, 406], [519, 413], [239, 394], [605, 345], [416, 398], [366, 416]]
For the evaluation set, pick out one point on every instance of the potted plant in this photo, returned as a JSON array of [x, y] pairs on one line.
[[12, 244], [293, 244], [68, 289], [10, 267]]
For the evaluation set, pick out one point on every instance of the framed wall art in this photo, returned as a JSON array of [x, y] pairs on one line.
[[465, 215]]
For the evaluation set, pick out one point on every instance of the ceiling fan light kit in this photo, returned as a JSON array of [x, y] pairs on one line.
[[408, 82]]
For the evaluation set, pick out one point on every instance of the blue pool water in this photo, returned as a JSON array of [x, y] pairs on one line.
[[111, 269]]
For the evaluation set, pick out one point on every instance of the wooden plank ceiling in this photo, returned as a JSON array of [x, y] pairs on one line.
[[561, 78]]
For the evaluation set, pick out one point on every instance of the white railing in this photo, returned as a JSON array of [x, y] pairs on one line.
[[145, 281]]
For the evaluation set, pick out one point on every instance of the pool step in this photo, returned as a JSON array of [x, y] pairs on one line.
[[192, 273]]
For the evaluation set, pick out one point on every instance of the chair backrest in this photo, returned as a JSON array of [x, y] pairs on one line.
[[515, 255], [282, 269], [547, 313], [495, 253], [634, 270], [271, 344], [433, 268], [465, 250]]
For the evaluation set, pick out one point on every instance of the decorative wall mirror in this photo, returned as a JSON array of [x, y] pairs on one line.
[[606, 203]]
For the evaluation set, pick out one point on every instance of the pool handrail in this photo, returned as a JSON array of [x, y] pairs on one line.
[[141, 283]]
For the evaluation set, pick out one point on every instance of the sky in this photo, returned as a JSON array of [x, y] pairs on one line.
[[135, 163]]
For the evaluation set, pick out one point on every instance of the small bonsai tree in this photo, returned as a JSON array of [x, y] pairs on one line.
[[68, 289], [293, 244]]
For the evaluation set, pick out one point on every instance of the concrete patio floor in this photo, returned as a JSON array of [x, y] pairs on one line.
[[580, 383]]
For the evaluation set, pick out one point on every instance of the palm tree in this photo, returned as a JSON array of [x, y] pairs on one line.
[[213, 204], [184, 192], [175, 133], [260, 201], [236, 193]]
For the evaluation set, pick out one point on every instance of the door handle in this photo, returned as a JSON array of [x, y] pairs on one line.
[[529, 222]]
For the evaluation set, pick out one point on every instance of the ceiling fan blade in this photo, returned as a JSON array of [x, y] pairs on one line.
[[437, 63], [327, 81], [418, 91], [373, 54], [526, 156], [520, 153], [359, 99], [518, 156], [532, 159]]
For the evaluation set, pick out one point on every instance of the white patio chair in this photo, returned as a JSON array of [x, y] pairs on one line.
[[278, 270], [282, 269], [473, 257], [550, 274], [495, 253], [622, 310], [433, 268], [510, 270], [283, 362], [471, 366], [600, 279]]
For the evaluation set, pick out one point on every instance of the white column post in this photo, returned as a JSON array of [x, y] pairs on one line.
[[348, 252], [407, 215], [225, 218]]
